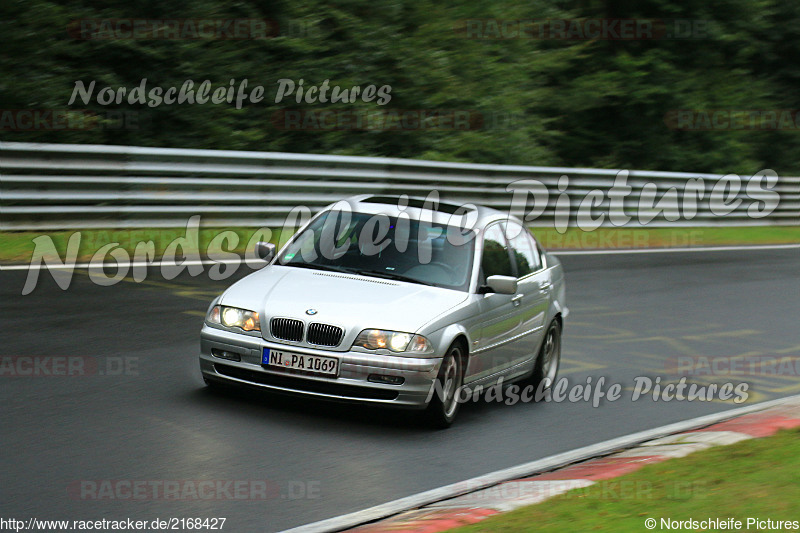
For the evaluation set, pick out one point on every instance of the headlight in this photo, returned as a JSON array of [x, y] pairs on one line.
[[233, 317], [395, 341]]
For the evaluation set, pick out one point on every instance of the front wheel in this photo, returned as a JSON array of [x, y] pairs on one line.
[[444, 404], [549, 358]]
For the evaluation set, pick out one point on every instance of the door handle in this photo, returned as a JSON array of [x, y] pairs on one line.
[[545, 286], [516, 299]]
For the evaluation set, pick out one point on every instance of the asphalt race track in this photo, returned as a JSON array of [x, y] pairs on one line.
[[142, 412]]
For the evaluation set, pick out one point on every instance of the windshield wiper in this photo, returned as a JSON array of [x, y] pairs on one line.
[[316, 266], [390, 275]]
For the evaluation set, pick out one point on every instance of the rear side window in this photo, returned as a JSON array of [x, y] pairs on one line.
[[526, 256], [495, 260]]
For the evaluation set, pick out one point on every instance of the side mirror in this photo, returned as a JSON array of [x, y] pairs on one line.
[[502, 284], [265, 250]]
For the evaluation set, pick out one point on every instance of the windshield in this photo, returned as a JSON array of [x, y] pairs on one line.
[[385, 247]]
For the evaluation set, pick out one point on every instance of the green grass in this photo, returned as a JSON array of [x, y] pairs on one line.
[[18, 246], [754, 478]]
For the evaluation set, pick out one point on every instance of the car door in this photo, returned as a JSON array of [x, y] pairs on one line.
[[499, 318], [533, 291]]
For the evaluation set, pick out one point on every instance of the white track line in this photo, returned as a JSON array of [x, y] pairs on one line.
[[673, 250], [421, 499], [554, 252]]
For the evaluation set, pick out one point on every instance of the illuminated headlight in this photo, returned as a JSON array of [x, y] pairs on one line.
[[233, 317], [395, 341]]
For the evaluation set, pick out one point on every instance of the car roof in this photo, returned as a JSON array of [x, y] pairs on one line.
[[438, 211]]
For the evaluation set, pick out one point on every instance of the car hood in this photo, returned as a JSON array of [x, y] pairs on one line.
[[351, 301]]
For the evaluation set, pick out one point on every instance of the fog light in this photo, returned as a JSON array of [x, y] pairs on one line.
[[224, 354], [389, 380]]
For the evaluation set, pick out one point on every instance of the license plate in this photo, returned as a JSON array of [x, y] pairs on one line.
[[328, 366]]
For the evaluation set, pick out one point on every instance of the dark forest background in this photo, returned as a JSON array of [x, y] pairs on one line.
[[576, 103]]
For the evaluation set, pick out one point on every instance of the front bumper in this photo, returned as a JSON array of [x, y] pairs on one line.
[[352, 384]]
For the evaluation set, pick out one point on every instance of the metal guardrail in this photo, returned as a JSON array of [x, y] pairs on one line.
[[68, 186]]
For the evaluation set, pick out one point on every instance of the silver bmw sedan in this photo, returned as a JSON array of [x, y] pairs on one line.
[[394, 301]]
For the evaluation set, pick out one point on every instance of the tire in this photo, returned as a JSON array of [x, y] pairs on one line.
[[442, 409], [548, 359]]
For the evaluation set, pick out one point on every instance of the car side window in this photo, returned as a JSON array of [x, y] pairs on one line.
[[526, 256], [537, 252], [495, 260]]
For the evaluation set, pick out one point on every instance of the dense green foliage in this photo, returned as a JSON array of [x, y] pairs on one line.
[[594, 103]]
